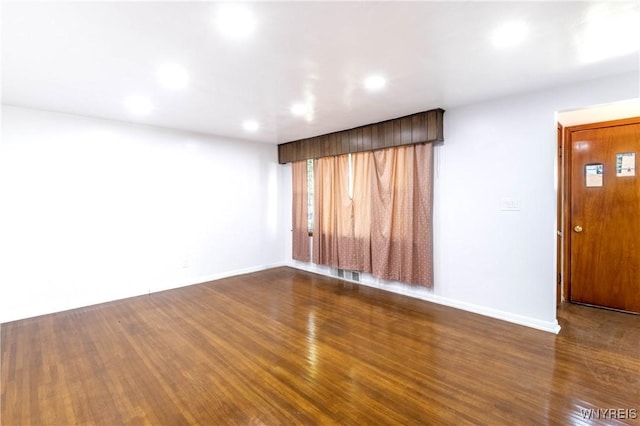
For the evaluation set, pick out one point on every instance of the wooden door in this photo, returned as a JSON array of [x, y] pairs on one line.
[[605, 215]]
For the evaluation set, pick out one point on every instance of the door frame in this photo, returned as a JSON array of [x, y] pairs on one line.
[[564, 208], [559, 226]]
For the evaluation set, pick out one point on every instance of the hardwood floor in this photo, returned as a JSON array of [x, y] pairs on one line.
[[289, 347]]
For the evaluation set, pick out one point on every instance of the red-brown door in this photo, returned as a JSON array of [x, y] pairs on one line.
[[605, 215]]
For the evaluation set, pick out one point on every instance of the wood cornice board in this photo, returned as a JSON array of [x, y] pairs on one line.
[[422, 127]]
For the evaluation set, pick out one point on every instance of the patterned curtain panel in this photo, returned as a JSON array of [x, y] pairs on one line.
[[380, 221], [362, 180], [401, 214], [300, 212], [333, 241]]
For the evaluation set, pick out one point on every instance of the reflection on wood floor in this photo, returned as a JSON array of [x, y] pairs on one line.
[[288, 347]]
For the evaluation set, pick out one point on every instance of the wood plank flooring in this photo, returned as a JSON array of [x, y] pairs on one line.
[[286, 347]]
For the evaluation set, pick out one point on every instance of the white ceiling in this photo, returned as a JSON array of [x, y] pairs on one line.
[[597, 113], [87, 57]]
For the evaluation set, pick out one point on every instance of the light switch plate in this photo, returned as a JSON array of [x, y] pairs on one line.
[[509, 205]]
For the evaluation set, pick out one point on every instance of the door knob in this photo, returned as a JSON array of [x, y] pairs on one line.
[[578, 228]]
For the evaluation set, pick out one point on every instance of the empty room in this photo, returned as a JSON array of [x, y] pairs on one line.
[[283, 213]]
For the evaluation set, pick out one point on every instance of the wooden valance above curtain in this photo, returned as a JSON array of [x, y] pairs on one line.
[[422, 127]]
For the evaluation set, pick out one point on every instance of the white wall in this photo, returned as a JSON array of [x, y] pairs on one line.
[[502, 263], [94, 210]]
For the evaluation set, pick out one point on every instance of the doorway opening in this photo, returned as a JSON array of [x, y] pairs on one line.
[[591, 189]]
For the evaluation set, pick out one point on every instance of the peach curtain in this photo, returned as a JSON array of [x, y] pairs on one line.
[[333, 213], [362, 210], [300, 211], [401, 214], [384, 224]]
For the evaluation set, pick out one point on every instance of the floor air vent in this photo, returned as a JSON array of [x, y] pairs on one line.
[[347, 275]]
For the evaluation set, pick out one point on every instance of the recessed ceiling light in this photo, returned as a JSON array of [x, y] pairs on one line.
[[610, 30], [251, 125], [138, 105], [509, 34], [235, 20], [172, 76], [299, 109], [375, 82]]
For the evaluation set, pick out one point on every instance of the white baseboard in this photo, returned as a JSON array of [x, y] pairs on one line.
[[233, 273], [548, 326], [552, 327], [23, 312]]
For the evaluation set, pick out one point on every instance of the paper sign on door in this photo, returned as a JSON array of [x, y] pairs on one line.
[[593, 174], [626, 164]]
